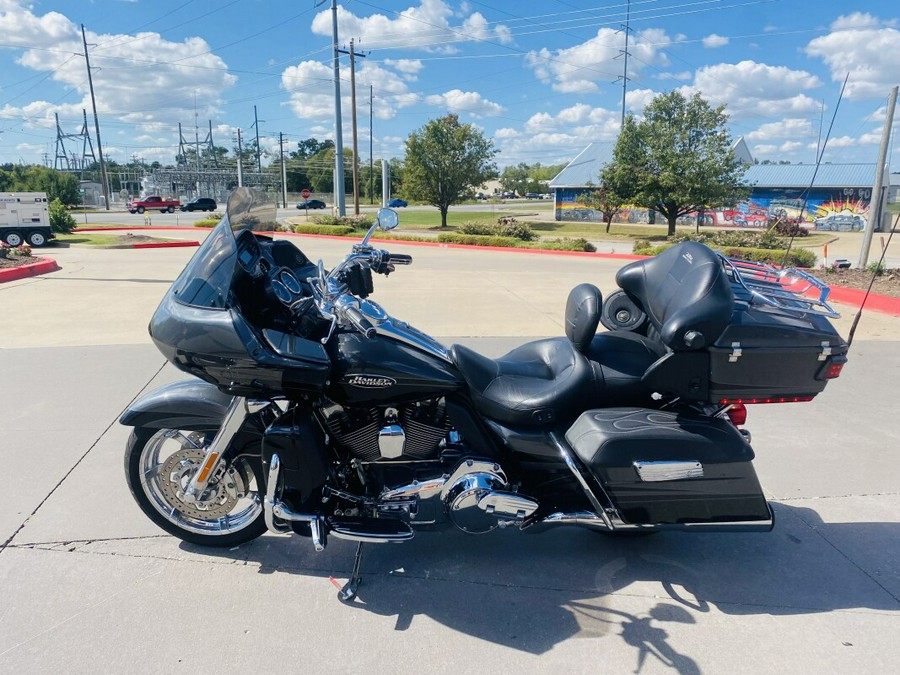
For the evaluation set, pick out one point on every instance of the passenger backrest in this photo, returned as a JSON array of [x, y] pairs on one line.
[[583, 315], [685, 292]]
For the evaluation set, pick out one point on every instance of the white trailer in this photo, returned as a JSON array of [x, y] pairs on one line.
[[24, 218]]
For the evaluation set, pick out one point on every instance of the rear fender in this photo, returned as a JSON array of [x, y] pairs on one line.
[[191, 405]]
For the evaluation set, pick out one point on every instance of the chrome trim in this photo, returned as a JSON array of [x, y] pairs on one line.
[[507, 505], [577, 518], [415, 490], [666, 470], [271, 498], [408, 335], [564, 453], [593, 521], [370, 538], [472, 466], [391, 441], [234, 418]]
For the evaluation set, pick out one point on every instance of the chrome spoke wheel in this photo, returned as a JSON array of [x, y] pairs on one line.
[[230, 503]]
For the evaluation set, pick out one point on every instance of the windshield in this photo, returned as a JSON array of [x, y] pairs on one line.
[[206, 279]]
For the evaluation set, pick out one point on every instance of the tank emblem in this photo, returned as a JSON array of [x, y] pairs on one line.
[[371, 381]]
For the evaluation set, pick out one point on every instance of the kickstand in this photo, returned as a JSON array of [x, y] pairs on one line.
[[348, 592]]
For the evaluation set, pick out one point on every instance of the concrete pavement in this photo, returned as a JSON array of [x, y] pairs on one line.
[[88, 584]]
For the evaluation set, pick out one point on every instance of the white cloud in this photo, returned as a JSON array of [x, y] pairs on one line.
[[507, 132], [470, 102], [408, 67], [751, 88], [712, 41], [426, 26], [865, 47], [311, 90], [124, 68], [580, 68], [683, 76], [792, 127], [638, 99]]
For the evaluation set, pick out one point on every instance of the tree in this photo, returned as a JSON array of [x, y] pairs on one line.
[[676, 160], [605, 200], [445, 160]]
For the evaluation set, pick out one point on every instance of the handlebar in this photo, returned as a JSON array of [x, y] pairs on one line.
[[400, 259], [360, 322]]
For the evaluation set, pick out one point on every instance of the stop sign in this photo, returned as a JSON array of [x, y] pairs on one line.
[[305, 193]]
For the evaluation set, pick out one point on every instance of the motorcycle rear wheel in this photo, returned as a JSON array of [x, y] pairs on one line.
[[159, 463]]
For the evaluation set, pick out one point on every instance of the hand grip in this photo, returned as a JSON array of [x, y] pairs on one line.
[[360, 322], [400, 259]]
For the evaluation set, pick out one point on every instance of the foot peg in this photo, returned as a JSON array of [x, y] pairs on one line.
[[370, 530]]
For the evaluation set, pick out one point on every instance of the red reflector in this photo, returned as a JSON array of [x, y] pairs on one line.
[[775, 399], [833, 370], [737, 413]]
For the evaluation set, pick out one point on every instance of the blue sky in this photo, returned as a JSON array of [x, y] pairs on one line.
[[538, 78]]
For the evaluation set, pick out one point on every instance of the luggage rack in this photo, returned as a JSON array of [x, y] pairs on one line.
[[782, 290]]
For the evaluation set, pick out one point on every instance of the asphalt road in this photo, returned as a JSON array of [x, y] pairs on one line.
[[87, 584]]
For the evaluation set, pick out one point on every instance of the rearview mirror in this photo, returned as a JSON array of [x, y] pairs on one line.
[[387, 219]]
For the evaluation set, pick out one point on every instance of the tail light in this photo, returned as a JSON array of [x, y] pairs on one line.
[[773, 399], [737, 413]]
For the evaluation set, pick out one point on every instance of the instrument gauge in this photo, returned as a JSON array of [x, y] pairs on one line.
[[291, 282], [281, 292]]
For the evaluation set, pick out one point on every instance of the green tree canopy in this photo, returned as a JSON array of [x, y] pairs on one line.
[[445, 160], [677, 159], [57, 184]]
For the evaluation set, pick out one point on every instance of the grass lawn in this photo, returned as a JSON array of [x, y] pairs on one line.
[[90, 238]]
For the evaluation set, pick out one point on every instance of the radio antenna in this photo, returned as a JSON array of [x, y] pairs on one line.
[[875, 270], [816, 170]]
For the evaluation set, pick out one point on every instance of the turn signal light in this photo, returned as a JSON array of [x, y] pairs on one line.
[[776, 399], [737, 413]]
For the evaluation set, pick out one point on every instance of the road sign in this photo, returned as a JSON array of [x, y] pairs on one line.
[[305, 193]]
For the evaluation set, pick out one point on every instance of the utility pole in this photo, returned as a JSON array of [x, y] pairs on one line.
[[624, 77], [240, 162], [371, 161], [87, 61], [353, 56], [283, 169], [256, 124], [874, 221], [338, 131]]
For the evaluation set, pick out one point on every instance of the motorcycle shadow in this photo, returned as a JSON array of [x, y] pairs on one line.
[[531, 592]]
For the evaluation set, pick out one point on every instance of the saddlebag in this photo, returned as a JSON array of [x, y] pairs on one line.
[[660, 467]]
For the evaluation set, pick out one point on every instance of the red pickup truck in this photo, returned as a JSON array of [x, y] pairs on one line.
[[153, 202]]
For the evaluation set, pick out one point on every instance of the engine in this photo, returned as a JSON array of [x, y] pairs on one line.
[[408, 432]]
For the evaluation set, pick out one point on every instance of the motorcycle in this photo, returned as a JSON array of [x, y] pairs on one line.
[[312, 410]]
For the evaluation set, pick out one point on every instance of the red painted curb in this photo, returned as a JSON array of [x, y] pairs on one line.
[[166, 244], [43, 266], [875, 302]]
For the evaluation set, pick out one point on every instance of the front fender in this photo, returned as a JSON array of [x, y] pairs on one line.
[[190, 405]]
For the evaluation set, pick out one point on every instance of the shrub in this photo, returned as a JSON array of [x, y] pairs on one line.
[[566, 244], [334, 230], [876, 268], [361, 222], [477, 239], [206, 222], [60, 218], [504, 227], [20, 251], [799, 257], [787, 228]]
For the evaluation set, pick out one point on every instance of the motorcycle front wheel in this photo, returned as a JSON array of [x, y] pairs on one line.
[[159, 465]]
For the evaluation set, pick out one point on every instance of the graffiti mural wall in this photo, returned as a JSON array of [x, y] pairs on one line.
[[835, 209]]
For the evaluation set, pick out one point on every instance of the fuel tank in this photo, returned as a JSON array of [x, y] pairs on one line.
[[382, 371]]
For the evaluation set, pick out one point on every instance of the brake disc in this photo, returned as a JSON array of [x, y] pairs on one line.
[[217, 500]]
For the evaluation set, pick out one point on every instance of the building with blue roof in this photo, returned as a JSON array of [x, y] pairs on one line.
[[831, 196]]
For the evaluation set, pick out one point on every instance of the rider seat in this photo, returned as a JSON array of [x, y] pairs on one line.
[[551, 381]]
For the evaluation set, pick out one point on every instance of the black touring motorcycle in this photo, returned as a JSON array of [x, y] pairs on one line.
[[315, 411]]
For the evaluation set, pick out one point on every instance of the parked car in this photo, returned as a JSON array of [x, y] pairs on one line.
[[200, 204], [154, 202], [508, 195], [397, 204], [533, 195], [311, 204]]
